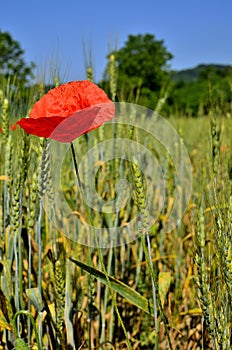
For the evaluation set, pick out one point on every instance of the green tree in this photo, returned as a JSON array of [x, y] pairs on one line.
[[198, 91], [142, 68], [12, 63]]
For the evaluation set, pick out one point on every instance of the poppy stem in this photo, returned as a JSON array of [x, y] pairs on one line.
[[75, 165], [100, 258]]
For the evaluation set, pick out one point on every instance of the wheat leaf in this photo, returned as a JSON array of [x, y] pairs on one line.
[[121, 288]]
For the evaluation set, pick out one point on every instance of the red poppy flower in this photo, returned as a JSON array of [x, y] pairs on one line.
[[13, 127], [68, 111]]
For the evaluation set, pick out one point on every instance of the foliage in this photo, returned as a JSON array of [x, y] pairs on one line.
[[202, 70], [139, 72], [142, 68], [12, 62], [196, 91]]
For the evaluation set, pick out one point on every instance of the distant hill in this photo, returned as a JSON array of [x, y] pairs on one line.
[[192, 74]]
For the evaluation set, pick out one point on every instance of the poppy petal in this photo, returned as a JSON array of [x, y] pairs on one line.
[[67, 99], [83, 121], [42, 127], [13, 127], [69, 128]]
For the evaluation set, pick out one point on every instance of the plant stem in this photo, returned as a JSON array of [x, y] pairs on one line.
[[28, 314], [100, 254], [75, 166]]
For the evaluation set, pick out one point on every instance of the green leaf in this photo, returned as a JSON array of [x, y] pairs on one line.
[[121, 288], [6, 282], [3, 322], [20, 344], [34, 296], [165, 279]]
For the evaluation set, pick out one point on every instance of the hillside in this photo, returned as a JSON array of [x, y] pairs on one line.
[[192, 74]]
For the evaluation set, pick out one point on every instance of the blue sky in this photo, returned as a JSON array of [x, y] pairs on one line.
[[197, 31]]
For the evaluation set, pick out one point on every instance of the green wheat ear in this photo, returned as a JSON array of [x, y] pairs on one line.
[[5, 120], [90, 74], [15, 206], [32, 205], [216, 141], [140, 193], [113, 76], [59, 269], [56, 81], [44, 171], [202, 278], [21, 345], [1, 96]]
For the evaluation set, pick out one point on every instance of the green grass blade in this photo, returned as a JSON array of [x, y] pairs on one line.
[[121, 288]]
